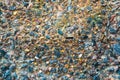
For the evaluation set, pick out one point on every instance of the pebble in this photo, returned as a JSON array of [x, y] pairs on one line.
[[53, 70], [118, 71], [57, 53], [40, 74], [118, 39], [30, 69], [14, 75], [23, 72], [43, 78], [111, 70], [12, 67], [24, 65], [2, 53], [25, 4], [47, 37], [0, 12], [96, 77], [47, 27], [69, 8], [6, 74], [54, 39], [89, 8], [24, 78], [12, 8], [112, 30], [53, 61], [116, 48], [82, 76], [65, 78]]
